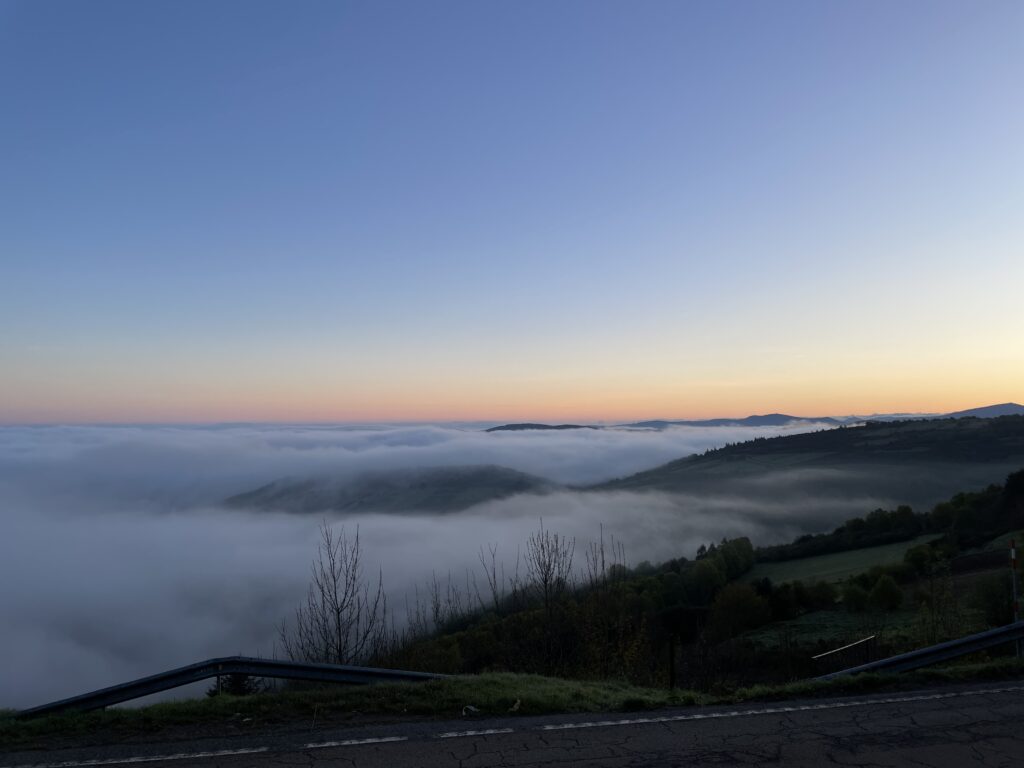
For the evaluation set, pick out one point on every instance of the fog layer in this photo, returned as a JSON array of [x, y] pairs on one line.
[[117, 559]]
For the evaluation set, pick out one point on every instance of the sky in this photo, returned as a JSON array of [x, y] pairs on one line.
[[317, 211]]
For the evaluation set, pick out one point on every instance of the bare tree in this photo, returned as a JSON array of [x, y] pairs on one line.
[[549, 571], [604, 566], [417, 617], [343, 618], [516, 587], [549, 564], [495, 576], [447, 603]]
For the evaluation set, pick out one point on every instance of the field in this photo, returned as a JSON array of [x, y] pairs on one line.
[[835, 567]]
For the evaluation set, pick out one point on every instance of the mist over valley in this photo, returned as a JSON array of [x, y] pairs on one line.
[[140, 548]]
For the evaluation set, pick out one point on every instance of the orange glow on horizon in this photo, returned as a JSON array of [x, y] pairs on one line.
[[585, 409], [591, 393]]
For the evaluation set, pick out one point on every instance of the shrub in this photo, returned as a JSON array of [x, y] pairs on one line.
[[994, 596], [886, 595], [855, 597], [819, 596], [736, 609]]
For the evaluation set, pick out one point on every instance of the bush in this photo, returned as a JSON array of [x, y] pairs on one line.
[[236, 684], [921, 558], [819, 596], [886, 595], [736, 609], [784, 603], [994, 596], [855, 597]]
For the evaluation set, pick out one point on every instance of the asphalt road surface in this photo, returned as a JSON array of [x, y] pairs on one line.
[[981, 725]]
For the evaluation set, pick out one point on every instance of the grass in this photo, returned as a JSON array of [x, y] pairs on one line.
[[837, 566], [834, 627], [491, 694], [999, 669], [1003, 542]]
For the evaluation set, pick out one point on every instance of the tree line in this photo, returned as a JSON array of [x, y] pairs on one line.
[[581, 612]]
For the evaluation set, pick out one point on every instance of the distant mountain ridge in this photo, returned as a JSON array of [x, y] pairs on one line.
[[531, 426], [765, 420], [780, 420], [984, 412], [433, 489], [989, 412]]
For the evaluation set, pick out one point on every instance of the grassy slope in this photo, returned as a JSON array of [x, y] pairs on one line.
[[834, 628], [834, 567], [491, 694], [1003, 542], [916, 462]]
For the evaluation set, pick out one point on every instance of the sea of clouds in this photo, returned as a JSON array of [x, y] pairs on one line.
[[119, 560]]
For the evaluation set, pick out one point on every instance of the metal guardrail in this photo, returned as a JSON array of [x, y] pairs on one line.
[[845, 648], [935, 654], [228, 665], [859, 652]]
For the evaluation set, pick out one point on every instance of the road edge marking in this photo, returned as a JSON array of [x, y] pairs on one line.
[[546, 728]]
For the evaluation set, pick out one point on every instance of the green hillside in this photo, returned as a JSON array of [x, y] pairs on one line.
[[919, 462]]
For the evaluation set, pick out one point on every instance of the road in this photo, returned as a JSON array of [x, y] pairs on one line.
[[981, 725]]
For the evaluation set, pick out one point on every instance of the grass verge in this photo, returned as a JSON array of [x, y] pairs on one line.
[[491, 695]]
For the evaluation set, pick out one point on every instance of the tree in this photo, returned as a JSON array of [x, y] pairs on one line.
[[818, 596], [886, 595], [737, 608], [704, 580], [549, 570], [549, 564], [343, 619], [855, 597], [921, 558]]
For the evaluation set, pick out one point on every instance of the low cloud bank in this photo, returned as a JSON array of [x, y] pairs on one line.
[[119, 561], [192, 465]]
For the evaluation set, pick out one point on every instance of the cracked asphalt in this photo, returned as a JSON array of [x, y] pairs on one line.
[[980, 725]]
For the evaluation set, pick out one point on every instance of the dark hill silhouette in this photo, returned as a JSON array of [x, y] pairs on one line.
[[989, 411], [766, 420], [531, 426], [915, 461], [436, 489]]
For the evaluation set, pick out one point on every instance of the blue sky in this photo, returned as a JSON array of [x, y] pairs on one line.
[[326, 210]]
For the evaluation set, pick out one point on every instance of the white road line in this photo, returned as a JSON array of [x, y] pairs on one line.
[[551, 727], [486, 732], [773, 710], [353, 742], [145, 759]]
